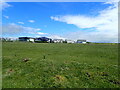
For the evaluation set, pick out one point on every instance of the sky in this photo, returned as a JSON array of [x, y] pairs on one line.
[[92, 21]]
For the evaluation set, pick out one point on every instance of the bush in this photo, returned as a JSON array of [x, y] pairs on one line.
[[41, 41]]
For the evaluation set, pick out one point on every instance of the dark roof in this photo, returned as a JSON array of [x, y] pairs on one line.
[[43, 38], [25, 37], [82, 40]]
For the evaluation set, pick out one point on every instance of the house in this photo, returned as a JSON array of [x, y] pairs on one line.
[[8, 39], [58, 40], [70, 41], [43, 40], [3, 39], [81, 41], [27, 39]]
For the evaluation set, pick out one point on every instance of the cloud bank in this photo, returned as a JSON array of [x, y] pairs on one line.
[[104, 26], [21, 22], [4, 5], [14, 29], [56, 37], [7, 17], [31, 21]]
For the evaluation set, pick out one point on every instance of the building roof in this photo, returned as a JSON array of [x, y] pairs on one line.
[[81, 40], [43, 38], [57, 39], [26, 38], [69, 40]]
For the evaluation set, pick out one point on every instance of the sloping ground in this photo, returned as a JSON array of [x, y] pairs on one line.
[[41, 65]]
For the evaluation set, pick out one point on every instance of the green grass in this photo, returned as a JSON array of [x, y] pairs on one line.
[[60, 65]]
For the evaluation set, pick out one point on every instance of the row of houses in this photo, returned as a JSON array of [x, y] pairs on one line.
[[49, 40], [8, 39]]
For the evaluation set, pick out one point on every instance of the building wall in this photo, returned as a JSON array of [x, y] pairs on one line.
[[57, 41], [28, 40], [23, 39], [70, 41], [31, 40], [84, 42], [81, 42]]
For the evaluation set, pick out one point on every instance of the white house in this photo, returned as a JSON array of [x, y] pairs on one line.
[[58, 40], [27, 39], [81, 41], [31, 40], [70, 41], [43, 39]]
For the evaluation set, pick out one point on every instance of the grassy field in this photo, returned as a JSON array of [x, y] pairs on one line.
[[60, 65]]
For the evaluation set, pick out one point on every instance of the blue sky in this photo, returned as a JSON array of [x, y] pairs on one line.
[[67, 20]]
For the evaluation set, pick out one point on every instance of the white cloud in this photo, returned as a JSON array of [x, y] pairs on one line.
[[92, 36], [56, 37], [21, 22], [56, 0], [14, 29], [111, 1], [31, 21], [7, 17], [105, 26], [38, 29], [40, 33], [4, 5]]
